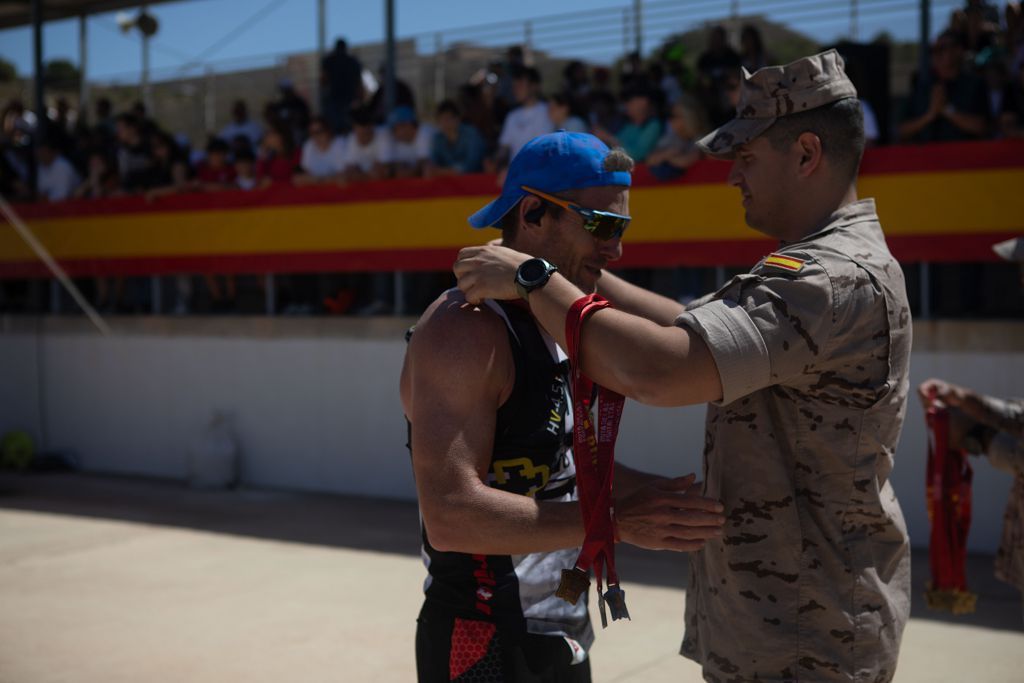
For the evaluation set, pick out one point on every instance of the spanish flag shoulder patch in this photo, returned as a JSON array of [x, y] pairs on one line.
[[788, 263]]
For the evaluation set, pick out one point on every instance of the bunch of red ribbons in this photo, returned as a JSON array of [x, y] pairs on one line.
[[594, 454], [949, 510]]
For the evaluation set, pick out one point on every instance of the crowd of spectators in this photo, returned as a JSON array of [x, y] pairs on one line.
[[654, 109], [974, 88]]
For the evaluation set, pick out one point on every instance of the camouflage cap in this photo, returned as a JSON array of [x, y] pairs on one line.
[[777, 91]]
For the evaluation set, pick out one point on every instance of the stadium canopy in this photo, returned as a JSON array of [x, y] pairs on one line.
[[14, 13]]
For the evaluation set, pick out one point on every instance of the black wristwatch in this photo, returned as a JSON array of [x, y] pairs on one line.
[[533, 274]]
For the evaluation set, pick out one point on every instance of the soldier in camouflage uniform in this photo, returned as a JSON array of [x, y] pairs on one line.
[[804, 361], [812, 579], [994, 427]]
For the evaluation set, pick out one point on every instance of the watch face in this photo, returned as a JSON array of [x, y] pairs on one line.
[[533, 270]]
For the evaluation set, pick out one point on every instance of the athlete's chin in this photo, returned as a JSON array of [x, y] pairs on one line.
[[587, 279]]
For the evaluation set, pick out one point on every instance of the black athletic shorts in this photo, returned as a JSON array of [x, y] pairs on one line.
[[450, 649]]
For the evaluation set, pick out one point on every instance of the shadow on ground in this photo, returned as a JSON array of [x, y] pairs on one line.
[[376, 525]]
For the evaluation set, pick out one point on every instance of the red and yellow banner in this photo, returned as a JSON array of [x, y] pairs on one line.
[[943, 202]]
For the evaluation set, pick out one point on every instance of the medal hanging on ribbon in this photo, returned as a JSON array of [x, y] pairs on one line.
[[949, 477], [594, 455]]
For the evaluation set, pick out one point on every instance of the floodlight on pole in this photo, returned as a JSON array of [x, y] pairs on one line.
[[147, 25]]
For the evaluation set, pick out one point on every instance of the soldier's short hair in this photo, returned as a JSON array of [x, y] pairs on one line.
[[839, 126]]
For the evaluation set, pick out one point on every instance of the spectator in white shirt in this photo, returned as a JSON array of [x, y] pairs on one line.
[[56, 178], [410, 143], [245, 171], [367, 150], [323, 155], [526, 121], [242, 125]]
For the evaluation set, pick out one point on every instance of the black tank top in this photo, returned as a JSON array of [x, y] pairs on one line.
[[532, 457]]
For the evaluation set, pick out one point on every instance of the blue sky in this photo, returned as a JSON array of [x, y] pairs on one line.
[[190, 27]]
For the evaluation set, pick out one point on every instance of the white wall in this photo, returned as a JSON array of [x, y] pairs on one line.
[[315, 402]]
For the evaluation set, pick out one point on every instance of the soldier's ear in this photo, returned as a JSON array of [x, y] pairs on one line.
[[810, 150]]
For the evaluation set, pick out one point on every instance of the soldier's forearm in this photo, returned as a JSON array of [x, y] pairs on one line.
[[1003, 416]]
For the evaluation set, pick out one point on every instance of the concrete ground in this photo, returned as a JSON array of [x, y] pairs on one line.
[[106, 579]]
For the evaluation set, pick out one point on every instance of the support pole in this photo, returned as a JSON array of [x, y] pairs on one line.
[[37, 65], [210, 100], [853, 21], [147, 97], [389, 105], [925, 283], [321, 46], [40, 100], [638, 25], [399, 303], [156, 295], [924, 63], [440, 65], [83, 67], [625, 30], [269, 294], [44, 255], [389, 77], [55, 297]]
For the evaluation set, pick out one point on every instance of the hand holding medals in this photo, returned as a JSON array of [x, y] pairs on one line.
[[949, 478], [594, 453], [666, 514]]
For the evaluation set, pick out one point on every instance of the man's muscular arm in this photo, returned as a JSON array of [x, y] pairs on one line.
[[648, 362], [458, 373]]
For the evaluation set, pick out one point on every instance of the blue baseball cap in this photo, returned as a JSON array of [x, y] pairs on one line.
[[401, 115], [552, 163]]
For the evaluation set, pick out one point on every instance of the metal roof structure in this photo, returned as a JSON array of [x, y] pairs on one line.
[[14, 13]]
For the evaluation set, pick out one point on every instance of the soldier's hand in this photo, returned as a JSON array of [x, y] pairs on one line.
[[940, 390], [669, 515], [959, 426], [488, 272]]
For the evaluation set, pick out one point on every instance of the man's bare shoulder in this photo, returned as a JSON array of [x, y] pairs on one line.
[[452, 328]]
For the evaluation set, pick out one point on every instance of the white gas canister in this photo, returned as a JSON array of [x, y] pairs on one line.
[[213, 458]]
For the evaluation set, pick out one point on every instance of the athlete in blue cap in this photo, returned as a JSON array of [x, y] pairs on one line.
[[485, 393]]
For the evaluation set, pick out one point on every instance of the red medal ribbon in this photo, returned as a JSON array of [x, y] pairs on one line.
[[594, 454], [949, 477]]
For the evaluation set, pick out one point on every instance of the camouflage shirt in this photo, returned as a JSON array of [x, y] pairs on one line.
[[811, 578]]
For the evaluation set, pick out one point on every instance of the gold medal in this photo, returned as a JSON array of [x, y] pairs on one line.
[[601, 610], [574, 583], [616, 599]]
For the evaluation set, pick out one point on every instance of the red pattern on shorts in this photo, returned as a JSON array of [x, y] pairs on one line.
[[471, 641]]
